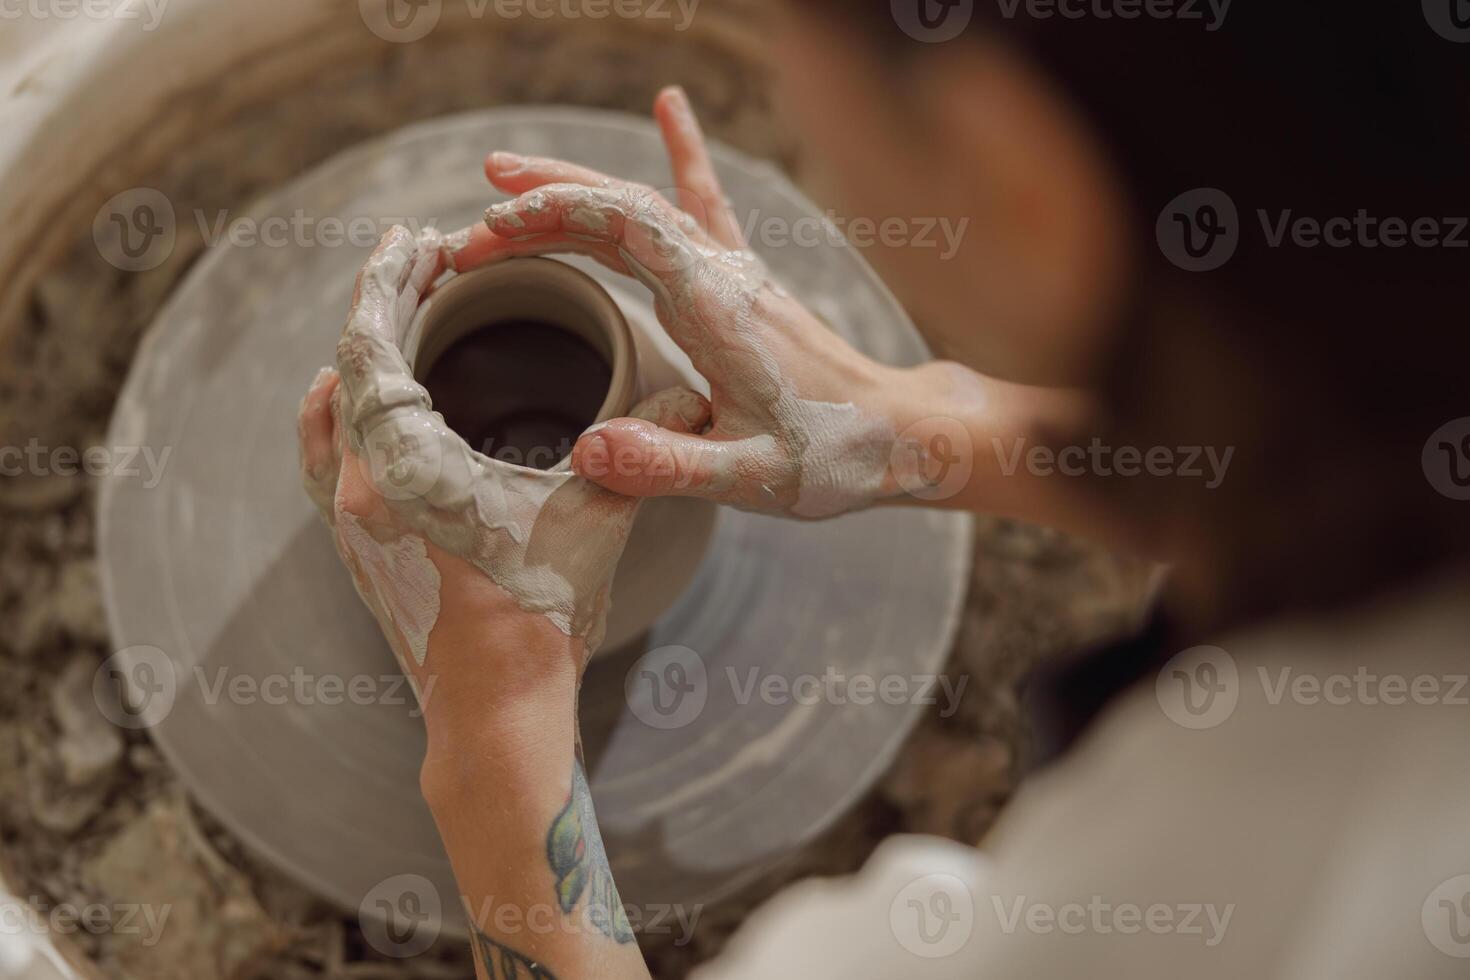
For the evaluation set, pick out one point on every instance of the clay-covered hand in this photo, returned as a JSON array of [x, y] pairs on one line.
[[800, 420], [430, 529]]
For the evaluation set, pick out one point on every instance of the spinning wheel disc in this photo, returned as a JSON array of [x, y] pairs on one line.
[[224, 579]]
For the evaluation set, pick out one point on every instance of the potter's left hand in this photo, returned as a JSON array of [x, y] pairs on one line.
[[442, 540], [803, 424], [491, 583]]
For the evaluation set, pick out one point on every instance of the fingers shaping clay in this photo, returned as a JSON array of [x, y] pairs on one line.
[[549, 538]]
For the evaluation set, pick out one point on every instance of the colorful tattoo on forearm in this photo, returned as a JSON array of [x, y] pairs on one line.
[[575, 852]]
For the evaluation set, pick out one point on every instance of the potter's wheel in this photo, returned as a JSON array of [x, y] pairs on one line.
[[224, 568]]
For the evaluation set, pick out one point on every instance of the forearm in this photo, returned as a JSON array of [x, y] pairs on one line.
[[507, 791]]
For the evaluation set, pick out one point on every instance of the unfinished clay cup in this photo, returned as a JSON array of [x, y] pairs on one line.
[[520, 358]]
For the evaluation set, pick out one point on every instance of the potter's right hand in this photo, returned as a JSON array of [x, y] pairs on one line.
[[803, 424]]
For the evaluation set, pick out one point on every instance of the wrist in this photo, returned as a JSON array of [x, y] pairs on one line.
[[510, 741], [933, 427], [464, 767], [904, 396], [499, 678], [960, 437]]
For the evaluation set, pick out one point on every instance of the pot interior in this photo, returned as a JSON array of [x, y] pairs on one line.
[[520, 358]]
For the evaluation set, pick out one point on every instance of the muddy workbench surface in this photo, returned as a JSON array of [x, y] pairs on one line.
[[89, 813]]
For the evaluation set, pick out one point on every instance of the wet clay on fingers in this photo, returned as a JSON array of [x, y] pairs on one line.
[[551, 540]]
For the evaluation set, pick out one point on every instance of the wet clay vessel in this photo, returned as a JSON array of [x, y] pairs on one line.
[[551, 353]]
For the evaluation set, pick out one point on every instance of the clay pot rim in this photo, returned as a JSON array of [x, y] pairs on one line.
[[615, 341]]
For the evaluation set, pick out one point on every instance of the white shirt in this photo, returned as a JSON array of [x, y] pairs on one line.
[[1310, 820]]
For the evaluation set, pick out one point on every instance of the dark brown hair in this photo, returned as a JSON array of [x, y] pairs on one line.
[[1326, 368]]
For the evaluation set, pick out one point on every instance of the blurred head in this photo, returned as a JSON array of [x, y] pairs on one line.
[[970, 130], [1324, 359]]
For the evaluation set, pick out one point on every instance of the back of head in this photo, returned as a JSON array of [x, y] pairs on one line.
[[1316, 156]]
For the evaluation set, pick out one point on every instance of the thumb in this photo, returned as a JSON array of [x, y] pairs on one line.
[[655, 452]]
